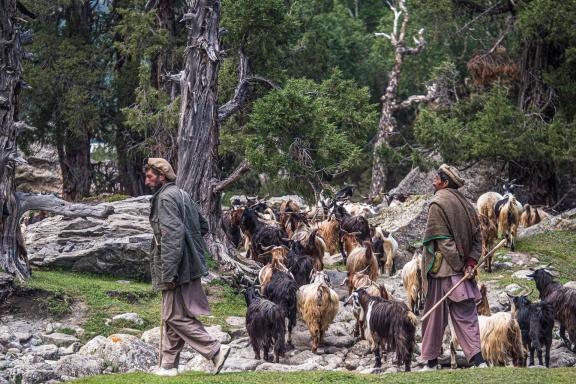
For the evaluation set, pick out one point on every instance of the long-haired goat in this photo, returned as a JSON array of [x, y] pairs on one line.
[[329, 230], [313, 245], [386, 249], [489, 233], [265, 325], [563, 299], [531, 216], [390, 326], [361, 280], [500, 336], [260, 235], [360, 256], [508, 219], [278, 264], [536, 322], [318, 304], [486, 205], [350, 224], [412, 281], [300, 265], [282, 290]]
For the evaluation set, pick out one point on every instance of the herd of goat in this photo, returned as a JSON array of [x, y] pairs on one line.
[[291, 244]]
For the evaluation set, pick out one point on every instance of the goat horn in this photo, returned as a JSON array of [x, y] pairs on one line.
[[364, 270], [525, 294], [267, 248], [348, 300], [344, 282]]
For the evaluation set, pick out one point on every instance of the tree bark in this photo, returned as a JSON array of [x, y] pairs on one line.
[[10, 71], [390, 104], [199, 129], [74, 156], [130, 164]]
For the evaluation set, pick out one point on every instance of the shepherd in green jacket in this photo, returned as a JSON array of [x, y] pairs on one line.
[[177, 265]]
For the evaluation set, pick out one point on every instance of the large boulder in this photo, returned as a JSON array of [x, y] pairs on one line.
[[407, 221], [41, 172], [118, 245], [481, 177], [122, 352]]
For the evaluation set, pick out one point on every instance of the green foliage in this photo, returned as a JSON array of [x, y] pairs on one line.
[[310, 130], [489, 126]]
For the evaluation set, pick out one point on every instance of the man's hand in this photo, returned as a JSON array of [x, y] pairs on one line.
[[167, 286], [470, 272], [469, 269]]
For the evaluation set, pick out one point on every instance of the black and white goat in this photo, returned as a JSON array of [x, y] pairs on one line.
[[260, 235], [390, 326], [265, 325], [536, 322], [563, 300]]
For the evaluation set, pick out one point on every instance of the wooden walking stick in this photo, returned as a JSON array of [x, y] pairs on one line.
[[462, 280]]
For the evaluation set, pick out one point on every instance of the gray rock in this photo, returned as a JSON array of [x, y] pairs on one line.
[[60, 339], [123, 352], [271, 367], [118, 245], [570, 284], [46, 351], [305, 357], [80, 365], [513, 289], [199, 364], [522, 274], [339, 341], [56, 327], [561, 357], [41, 172], [6, 335], [238, 364], [23, 336], [132, 317], [236, 321], [216, 332]]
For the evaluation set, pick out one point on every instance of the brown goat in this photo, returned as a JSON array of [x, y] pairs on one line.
[[531, 216], [489, 234], [508, 220], [312, 245], [412, 281], [329, 230], [278, 264], [360, 256]]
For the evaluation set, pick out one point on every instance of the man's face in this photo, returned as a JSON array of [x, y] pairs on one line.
[[154, 181], [438, 183]]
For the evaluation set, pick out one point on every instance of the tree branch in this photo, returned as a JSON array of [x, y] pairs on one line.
[[239, 97], [51, 203], [417, 99], [242, 168], [25, 11]]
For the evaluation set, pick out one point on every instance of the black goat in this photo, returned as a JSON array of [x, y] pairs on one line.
[[260, 235], [351, 224], [389, 325], [345, 193], [231, 225], [536, 322], [265, 325], [563, 300], [282, 291], [300, 265]]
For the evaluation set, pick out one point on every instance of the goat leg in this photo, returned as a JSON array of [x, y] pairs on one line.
[[378, 363], [531, 356], [453, 363], [547, 354], [539, 356], [563, 336]]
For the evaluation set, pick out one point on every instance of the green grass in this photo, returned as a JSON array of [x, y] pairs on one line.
[[556, 247], [92, 291], [468, 376]]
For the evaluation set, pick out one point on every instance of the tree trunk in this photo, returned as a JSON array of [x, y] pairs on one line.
[[12, 260], [74, 156], [199, 130], [130, 163], [163, 63]]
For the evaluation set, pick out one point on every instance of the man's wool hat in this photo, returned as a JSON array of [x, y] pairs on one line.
[[453, 174], [163, 167]]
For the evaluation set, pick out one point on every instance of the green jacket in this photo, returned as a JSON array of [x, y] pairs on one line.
[[178, 249]]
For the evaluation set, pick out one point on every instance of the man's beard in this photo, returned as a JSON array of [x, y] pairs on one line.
[[156, 186]]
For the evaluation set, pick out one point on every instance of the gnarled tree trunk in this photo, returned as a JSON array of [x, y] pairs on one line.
[[199, 129], [390, 104], [74, 156], [10, 70]]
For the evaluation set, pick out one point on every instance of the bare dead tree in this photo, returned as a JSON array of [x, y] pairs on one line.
[[390, 102], [199, 126]]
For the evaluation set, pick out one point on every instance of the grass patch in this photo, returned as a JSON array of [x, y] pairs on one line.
[[469, 376], [557, 247], [104, 297]]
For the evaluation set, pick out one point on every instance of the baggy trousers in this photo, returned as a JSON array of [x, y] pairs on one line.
[[179, 308], [463, 315]]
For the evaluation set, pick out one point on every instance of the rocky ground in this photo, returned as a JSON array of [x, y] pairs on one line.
[[39, 350]]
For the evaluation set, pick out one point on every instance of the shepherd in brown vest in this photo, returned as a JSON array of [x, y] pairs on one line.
[[452, 247], [177, 264]]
